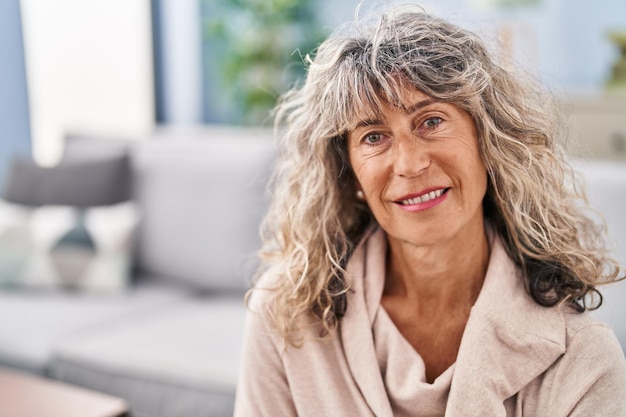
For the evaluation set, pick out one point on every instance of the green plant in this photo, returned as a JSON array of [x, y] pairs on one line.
[[617, 79], [256, 48]]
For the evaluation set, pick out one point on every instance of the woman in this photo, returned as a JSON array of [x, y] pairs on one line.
[[425, 253]]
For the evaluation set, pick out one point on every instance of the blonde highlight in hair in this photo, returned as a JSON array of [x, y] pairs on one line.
[[314, 222]]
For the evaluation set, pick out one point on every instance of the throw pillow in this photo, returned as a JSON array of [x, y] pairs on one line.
[[65, 247], [81, 184]]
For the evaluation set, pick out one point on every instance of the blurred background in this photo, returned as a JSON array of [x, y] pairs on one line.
[[119, 68]]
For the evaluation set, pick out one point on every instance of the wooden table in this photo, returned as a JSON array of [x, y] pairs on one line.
[[23, 395]]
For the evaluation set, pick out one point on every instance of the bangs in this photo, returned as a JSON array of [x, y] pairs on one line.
[[356, 95], [355, 98], [353, 78]]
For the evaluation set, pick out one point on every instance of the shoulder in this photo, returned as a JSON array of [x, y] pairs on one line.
[[588, 337], [590, 377], [592, 350], [261, 295], [259, 300], [264, 316]]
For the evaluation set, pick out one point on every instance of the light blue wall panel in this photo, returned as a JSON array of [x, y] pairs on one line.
[[14, 122]]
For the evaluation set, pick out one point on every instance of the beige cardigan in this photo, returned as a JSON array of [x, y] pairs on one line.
[[516, 358]]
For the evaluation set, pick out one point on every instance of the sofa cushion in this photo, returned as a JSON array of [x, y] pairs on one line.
[[81, 149], [32, 323], [606, 189], [64, 247], [82, 184], [186, 355], [202, 199]]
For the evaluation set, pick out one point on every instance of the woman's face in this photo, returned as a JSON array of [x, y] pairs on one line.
[[420, 170]]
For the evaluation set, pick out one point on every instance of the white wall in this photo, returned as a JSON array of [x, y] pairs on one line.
[[89, 70]]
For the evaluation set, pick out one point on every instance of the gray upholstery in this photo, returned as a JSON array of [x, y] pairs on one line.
[[32, 323], [195, 365], [82, 149], [606, 188], [171, 352], [202, 202]]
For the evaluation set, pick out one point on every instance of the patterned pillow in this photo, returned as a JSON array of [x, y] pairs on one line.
[[65, 247]]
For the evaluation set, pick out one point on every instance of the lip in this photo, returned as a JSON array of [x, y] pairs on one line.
[[425, 205]]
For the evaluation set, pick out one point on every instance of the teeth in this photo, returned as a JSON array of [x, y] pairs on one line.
[[423, 198]]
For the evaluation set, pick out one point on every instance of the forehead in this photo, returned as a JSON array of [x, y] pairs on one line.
[[407, 100], [411, 99]]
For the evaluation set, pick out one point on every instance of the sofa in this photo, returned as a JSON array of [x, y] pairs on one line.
[[606, 191], [169, 343]]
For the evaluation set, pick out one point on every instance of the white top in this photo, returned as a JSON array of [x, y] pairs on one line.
[[404, 373]]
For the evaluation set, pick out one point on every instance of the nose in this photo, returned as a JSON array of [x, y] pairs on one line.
[[410, 157]]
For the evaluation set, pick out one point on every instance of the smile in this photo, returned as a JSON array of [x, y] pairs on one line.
[[423, 198]]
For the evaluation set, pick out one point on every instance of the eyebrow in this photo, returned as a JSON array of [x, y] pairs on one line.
[[407, 110], [371, 122], [420, 104]]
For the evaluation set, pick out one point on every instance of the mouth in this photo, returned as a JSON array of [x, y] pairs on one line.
[[422, 198]]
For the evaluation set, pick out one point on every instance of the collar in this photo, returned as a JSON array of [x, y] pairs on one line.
[[508, 341], [365, 274]]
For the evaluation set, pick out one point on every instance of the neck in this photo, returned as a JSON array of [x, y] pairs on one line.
[[445, 276]]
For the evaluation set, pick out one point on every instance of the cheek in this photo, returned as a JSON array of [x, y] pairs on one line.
[[356, 164], [364, 169], [481, 170], [468, 171], [371, 176], [363, 178], [479, 182]]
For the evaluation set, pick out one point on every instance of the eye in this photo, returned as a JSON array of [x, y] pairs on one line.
[[432, 122], [372, 138]]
